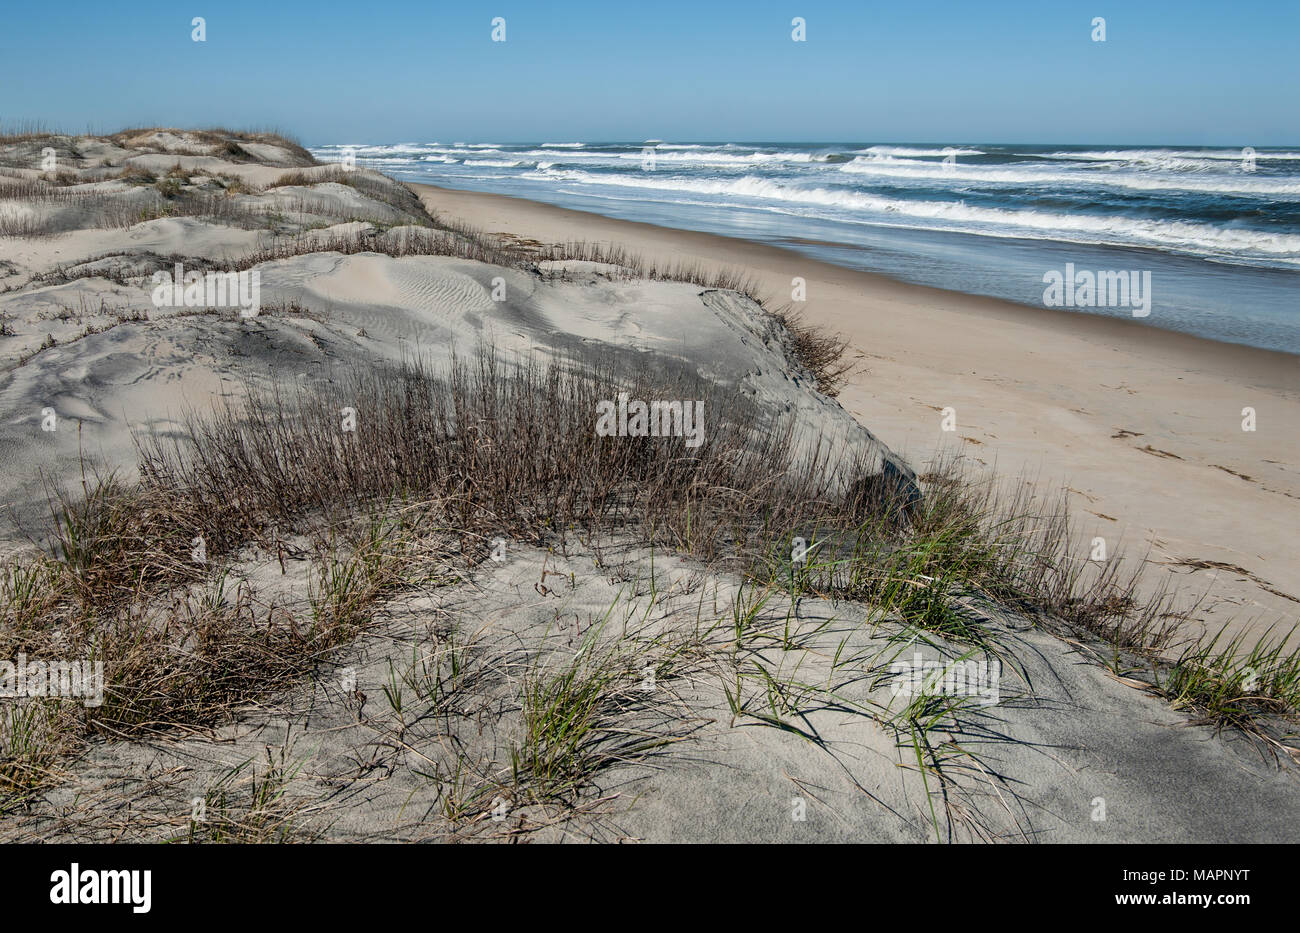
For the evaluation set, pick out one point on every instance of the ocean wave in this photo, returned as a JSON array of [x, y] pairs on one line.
[[413, 152], [718, 158], [687, 155], [909, 151], [1030, 174], [373, 152], [1156, 155], [385, 161], [1177, 199], [991, 221]]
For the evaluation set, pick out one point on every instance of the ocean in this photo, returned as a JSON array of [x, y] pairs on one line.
[[1214, 231]]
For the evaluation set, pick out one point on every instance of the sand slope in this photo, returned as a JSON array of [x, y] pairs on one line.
[[1143, 425], [1065, 739], [85, 340]]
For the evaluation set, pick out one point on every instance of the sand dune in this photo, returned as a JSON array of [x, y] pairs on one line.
[[797, 737], [1143, 425]]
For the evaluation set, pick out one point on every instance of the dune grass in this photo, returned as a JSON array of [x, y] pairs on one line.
[[251, 804], [20, 131], [172, 196], [1232, 682], [442, 462], [223, 142]]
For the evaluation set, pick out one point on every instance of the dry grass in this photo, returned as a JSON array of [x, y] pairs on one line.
[[20, 131], [824, 354], [177, 652], [226, 141], [637, 266], [440, 464], [137, 175], [398, 242], [22, 225], [373, 185], [110, 210], [504, 450]]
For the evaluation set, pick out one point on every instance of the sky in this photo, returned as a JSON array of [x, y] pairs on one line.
[[1189, 72]]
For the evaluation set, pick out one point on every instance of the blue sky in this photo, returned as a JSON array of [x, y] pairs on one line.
[[1186, 72]]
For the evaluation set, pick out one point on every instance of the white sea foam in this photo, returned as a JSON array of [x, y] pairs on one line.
[[896, 186], [719, 158], [1030, 174], [907, 151], [1156, 155], [956, 215]]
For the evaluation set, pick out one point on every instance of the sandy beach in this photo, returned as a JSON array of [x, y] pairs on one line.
[[310, 552], [1143, 425]]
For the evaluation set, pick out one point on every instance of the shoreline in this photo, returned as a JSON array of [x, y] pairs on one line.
[[1142, 425], [1278, 364], [1287, 356]]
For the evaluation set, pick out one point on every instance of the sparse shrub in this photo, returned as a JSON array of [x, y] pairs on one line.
[[824, 354], [137, 175], [168, 186]]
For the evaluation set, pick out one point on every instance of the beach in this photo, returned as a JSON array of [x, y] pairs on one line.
[[346, 488], [1143, 425]]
